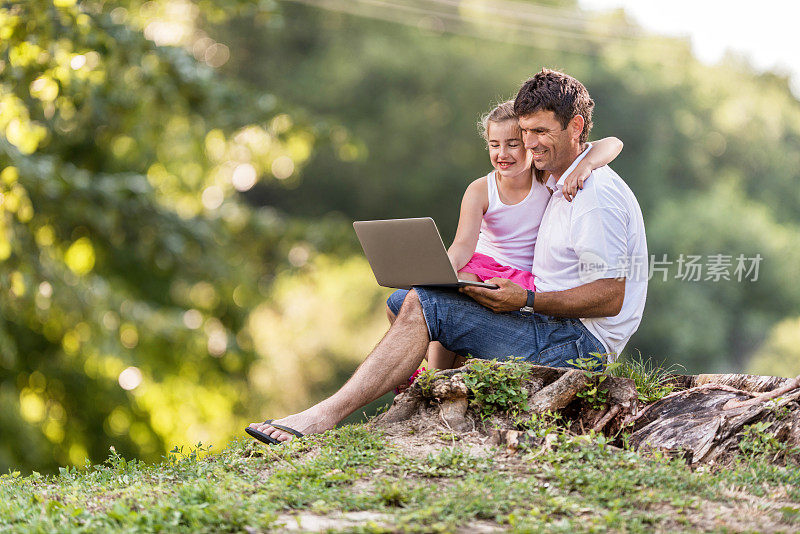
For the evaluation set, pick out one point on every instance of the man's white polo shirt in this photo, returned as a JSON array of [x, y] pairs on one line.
[[600, 234]]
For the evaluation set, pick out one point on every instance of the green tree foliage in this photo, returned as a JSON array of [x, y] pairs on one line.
[[129, 262], [780, 354]]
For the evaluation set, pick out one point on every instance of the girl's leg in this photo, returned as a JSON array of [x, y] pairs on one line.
[[469, 277], [439, 357]]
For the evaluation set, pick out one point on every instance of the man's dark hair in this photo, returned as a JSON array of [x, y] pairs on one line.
[[550, 90]]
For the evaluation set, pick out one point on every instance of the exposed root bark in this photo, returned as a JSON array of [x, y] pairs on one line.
[[609, 415], [764, 397], [751, 383], [703, 423], [558, 394], [454, 413]]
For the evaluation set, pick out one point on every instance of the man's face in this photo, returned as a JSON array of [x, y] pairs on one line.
[[552, 147]]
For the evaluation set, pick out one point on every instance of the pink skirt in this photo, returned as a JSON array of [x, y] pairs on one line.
[[485, 267]]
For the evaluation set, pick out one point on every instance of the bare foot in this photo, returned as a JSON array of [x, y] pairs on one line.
[[310, 421]]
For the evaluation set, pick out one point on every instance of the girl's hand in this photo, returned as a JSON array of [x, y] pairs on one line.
[[575, 180], [602, 153]]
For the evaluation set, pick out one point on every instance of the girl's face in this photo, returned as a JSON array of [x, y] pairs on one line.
[[506, 150]]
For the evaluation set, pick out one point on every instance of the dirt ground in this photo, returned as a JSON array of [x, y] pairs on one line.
[[424, 436]]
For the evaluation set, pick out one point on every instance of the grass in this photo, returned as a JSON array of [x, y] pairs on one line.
[[581, 484], [651, 379], [357, 479]]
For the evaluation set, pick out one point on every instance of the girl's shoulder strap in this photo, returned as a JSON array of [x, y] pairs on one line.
[[491, 189]]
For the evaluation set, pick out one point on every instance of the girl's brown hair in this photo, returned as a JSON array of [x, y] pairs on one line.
[[502, 112]]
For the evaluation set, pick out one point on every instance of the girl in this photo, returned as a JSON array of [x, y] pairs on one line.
[[501, 212]]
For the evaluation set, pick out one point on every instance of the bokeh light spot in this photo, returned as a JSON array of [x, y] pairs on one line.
[[130, 378], [244, 177], [212, 197], [5, 248], [45, 236], [217, 342], [18, 286], [203, 295], [280, 123], [193, 319], [77, 454], [77, 62], [54, 431], [118, 420], [128, 336], [31, 406], [298, 255], [282, 167], [9, 175], [217, 55], [44, 88], [80, 256], [71, 343], [118, 15], [111, 320], [46, 290]]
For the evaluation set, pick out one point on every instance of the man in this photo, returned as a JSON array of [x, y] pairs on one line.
[[588, 265]]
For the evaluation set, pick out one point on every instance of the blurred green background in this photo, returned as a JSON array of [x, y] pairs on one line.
[[178, 182]]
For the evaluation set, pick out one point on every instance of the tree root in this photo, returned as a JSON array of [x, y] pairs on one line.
[[703, 423]]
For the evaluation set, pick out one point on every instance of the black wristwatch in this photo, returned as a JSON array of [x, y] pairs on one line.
[[528, 308]]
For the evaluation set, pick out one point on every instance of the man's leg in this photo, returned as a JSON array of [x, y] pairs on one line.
[[438, 357], [391, 362], [465, 327]]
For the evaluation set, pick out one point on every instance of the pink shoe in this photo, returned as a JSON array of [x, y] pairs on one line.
[[399, 389]]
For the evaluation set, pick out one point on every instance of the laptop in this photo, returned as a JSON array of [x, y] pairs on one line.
[[408, 252]]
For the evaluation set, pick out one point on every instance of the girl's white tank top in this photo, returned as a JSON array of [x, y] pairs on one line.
[[508, 232]]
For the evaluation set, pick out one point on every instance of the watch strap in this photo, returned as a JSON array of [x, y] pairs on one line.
[[528, 308]]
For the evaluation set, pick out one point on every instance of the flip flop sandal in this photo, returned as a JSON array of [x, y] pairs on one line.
[[260, 436], [269, 440]]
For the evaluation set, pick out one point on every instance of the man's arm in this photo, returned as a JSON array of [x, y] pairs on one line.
[[601, 298]]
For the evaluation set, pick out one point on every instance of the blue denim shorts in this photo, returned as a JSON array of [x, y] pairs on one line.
[[465, 327]]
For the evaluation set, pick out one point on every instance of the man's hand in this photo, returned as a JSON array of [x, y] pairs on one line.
[[508, 297]]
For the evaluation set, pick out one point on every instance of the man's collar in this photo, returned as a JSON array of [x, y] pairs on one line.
[[551, 183], [557, 185]]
